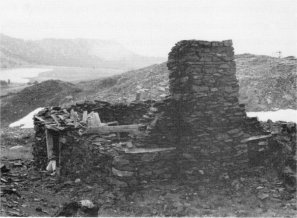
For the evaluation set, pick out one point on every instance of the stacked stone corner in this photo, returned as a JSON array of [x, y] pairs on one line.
[[203, 81]]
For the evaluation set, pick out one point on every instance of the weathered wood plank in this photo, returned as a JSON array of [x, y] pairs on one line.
[[85, 116], [255, 138], [55, 119], [49, 144], [147, 150], [135, 128]]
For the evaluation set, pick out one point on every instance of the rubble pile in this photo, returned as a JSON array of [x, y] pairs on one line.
[[123, 113], [158, 117], [108, 113], [282, 151], [109, 157], [203, 81]]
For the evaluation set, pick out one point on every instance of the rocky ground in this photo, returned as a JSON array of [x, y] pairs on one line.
[[265, 83], [26, 192]]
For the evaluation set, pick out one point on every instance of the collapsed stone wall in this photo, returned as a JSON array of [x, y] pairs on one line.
[[103, 159], [162, 134], [124, 114], [106, 157], [202, 120]]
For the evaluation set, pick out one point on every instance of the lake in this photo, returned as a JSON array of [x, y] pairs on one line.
[[21, 75]]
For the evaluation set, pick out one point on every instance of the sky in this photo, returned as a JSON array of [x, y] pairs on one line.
[[152, 27]]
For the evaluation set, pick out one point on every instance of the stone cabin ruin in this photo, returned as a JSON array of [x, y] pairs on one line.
[[200, 130]]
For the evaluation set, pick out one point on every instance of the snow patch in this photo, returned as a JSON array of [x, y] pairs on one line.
[[27, 121], [287, 115]]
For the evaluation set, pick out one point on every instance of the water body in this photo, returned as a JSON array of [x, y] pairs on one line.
[[287, 115], [21, 75]]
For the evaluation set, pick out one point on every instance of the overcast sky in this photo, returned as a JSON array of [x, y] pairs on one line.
[[152, 27]]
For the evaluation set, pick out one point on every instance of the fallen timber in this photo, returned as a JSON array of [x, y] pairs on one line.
[[134, 128]]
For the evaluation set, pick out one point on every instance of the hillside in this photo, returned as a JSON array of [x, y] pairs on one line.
[[152, 81], [51, 92], [9, 60], [266, 83], [70, 53]]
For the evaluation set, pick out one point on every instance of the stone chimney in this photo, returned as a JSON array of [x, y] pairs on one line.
[[203, 82]]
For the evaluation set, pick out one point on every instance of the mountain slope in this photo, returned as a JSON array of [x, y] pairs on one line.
[[152, 81], [7, 60], [266, 83], [71, 53], [48, 93]]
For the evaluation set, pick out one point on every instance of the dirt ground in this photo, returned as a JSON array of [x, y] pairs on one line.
[[26, 192]]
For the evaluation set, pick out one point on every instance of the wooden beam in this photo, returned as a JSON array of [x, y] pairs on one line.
[[154, 122], [147, 150], [85, 116], [255, 138], [55, 119], [134, 128], [112, 123], [49, 144], [39, 118], [59, 162]]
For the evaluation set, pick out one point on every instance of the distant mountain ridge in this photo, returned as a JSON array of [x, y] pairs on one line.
[[71, 53]]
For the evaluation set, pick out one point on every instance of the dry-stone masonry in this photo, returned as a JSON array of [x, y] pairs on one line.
[[125, 160], [198, 131], [203, 82]]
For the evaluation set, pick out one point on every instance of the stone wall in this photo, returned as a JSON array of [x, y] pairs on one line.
[[103, 159], [158, 117], [203, 81], [126, 160], [124, 114], [199, 130]]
